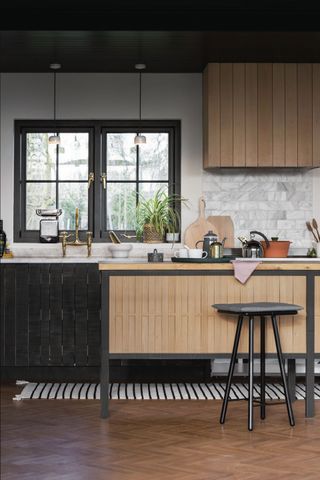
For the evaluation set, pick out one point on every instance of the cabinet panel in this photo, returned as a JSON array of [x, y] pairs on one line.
[[261, 115], [174, 314], [278, 114], [251, 122], [305, 115], [50, 315], [265, 115]]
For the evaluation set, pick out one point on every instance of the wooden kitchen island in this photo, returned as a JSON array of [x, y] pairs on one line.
[[164, 310]]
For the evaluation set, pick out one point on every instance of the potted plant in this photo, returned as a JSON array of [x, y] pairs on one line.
[[157, 216]]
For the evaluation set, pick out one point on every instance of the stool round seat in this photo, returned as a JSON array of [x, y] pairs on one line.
[[248, 312], [258, 308]]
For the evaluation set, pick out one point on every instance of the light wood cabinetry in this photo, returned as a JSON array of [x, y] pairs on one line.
[[173, 314], [261, 115]]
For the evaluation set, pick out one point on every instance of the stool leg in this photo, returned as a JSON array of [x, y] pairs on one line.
[[263, 367], [250, 401], [282, 370], [231, 369]]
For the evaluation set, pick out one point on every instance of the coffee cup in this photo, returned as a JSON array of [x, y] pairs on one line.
[[197, 253], [181, 253]]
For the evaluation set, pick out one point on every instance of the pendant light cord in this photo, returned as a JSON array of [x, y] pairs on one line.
[[54, 96], [139, 95]]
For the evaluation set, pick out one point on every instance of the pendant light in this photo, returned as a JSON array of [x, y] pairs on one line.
[[140, 139], [54, 139]]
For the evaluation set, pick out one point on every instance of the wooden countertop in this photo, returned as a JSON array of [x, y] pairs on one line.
[[103, 266]]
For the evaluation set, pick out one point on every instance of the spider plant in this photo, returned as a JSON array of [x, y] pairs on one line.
[[157, 216]]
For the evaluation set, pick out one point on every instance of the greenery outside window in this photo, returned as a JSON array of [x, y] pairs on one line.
[[57, 176]]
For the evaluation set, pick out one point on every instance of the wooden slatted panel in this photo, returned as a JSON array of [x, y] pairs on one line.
[[10, 320], [239, 125], [81, 299], [317, 314], [55, 357], [68, 325], [24, 315], [212, 99], [93, 315], [316, 114], [265, 115], [226, 114], [174, 314], [34, 302], [291, 90], [45, 314], [206, 118], [305, 112], [278, 111], [251, 115]]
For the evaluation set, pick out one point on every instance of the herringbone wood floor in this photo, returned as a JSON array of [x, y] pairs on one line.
[[158, 440]]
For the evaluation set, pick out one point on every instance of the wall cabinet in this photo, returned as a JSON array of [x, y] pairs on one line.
[[261, 115], [50, 315]]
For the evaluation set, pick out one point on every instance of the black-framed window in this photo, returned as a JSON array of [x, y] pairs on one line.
[[48, 175]]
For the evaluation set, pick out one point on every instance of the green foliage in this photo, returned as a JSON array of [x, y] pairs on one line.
[[159, 211]]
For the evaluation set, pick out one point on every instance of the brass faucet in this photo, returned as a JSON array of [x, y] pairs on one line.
[[76, 242]]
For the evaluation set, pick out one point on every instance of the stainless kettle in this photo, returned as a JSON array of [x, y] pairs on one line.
[[208, 239], [252, 248]]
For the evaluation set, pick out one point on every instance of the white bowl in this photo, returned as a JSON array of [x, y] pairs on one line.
[[120, 250]]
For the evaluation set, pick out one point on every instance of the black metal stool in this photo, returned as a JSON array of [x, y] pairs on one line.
[[253, 310]]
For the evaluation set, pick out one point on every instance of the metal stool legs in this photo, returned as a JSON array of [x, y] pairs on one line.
[[251, 347], [251, 370], [282, 370], [263, 367], [231, 370]]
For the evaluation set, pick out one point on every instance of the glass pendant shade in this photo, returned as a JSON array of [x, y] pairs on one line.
[[54, 140], [139, 139]]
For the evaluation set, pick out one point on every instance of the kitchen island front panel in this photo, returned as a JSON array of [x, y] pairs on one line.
[[173, 314]]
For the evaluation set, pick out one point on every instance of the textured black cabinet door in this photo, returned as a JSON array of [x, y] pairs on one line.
[[50, 314]]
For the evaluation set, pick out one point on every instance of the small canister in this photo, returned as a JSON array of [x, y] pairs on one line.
[[155, 256], [216, 250]]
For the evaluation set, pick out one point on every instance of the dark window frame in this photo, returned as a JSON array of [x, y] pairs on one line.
[[97, 157]]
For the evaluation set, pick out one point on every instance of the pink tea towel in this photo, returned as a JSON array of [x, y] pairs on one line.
[[243, 270]]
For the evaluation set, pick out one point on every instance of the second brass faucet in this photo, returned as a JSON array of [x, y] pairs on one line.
[[76, 242]]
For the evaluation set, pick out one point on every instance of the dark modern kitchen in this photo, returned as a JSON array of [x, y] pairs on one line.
[[160, 240]]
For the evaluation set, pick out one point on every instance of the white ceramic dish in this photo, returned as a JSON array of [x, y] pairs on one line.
[[120, 250]]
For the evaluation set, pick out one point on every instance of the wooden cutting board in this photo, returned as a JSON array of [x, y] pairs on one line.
[[199, 228], [224, 228]]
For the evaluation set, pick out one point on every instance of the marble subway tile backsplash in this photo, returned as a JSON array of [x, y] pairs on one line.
[[276, 203]]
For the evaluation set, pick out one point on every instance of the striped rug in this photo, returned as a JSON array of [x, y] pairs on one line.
[[153, 391]]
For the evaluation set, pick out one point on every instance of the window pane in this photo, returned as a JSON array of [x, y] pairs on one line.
[[41, 157], [121, 156], [147, 190], [121, 206], [154, 157], [71, 196], [73, 156], [39, 195]]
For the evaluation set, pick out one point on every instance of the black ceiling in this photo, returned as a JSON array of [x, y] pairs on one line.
[[167, 35]]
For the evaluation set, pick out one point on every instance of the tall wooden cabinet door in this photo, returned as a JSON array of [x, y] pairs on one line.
[[265, 137], [305, 113], [316, 114], [211, 116]]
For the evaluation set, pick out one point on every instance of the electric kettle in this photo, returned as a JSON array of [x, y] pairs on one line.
[[253, 248]]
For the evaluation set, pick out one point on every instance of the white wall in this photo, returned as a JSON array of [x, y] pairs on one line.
[[104, 96], [115, 96]]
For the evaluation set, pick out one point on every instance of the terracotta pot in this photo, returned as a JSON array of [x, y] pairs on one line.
[[276, 249]]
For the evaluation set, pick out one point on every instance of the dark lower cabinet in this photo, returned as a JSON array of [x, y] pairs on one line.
[[50, 315]]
